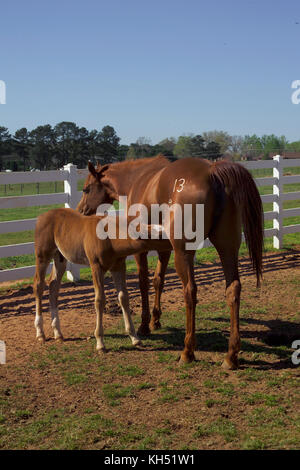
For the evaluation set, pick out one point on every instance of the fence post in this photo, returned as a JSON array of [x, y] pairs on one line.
[[70, 187], [277, 204]]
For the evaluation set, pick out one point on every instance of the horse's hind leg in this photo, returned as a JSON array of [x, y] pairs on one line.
[[184, 263], [42, 263], [57, 272], [227, 246], [119, 277], [233, 292], [158, 283]]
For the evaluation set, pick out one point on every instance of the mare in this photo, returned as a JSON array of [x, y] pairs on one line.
[[231, 200]]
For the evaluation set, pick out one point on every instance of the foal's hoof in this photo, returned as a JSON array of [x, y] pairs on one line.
[[186, 358], [144, 330], [230, 365], [101, 351], [41, 339], [137, 342], [59, 339]]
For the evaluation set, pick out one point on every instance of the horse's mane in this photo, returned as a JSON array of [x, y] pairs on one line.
[[118, 177], [159, 161]]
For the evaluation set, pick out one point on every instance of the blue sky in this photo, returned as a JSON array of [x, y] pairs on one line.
[[152, 68]]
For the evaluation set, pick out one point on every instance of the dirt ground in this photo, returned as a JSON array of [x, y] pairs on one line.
[[47, 392]]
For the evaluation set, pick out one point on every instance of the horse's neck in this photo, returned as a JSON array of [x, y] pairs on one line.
[[123, 176]]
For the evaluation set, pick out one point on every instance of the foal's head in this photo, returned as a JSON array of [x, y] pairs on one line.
[[94, 191]]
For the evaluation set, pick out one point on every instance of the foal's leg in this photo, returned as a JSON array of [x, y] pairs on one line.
[[142, 265], [158, 283], [119, 278], [98, 280], [38, 289], [184, 263], [57, 272]]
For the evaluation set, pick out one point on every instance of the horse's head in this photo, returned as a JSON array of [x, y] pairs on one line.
[[94, 191]]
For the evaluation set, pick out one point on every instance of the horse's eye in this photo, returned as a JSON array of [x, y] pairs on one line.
[[86, 190]]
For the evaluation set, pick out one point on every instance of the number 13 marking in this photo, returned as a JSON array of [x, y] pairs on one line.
[[181, 185]]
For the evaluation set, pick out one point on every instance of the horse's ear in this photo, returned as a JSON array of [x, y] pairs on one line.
[[92, 169], [100, 172]]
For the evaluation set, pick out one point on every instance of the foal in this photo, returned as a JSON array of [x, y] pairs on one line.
[[64, 234]]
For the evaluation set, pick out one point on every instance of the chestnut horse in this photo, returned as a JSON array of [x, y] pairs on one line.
[[230, 198], [65, 234]]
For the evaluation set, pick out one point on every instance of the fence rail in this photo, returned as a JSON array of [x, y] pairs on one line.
[[70, 198]]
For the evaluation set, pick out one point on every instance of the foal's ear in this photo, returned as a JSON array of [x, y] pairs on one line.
[[92, 169]]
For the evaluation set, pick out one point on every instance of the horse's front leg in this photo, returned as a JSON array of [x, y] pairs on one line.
[[98, 280], [119, 278], [184, 263], [142, 265], [158, 283]]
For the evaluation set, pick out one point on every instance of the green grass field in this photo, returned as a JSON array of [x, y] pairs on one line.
[[207, 254]]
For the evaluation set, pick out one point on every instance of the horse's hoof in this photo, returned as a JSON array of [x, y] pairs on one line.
[[144, 331], [230, 365], [137, 342], [41, 339], [185, 358], [101, 351], [155, 325], [59, 339]]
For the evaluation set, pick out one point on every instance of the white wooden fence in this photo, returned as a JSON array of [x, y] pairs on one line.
[[70, 197]]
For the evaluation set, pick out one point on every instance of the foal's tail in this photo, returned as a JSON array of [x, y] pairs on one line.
[[239, 184]]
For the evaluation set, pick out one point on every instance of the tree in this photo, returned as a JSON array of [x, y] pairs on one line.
[[21, 145], [108, 144], [143, 147], [66, 149], [212, 151], [182, 147], [272, 144], [122, 152], [220, 137], [42, 140], [81, 147], [196, 146], [131, 155], [5, 144], [293, 146], [166, 146], [236, 146], [252, 146]]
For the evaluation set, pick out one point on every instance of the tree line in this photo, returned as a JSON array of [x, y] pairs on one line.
[[47, 147]]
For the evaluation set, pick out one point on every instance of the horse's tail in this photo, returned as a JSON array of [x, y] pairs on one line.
[[239, 184]]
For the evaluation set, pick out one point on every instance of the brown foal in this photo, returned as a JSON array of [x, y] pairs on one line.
[[230, 198], [65, 234]]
